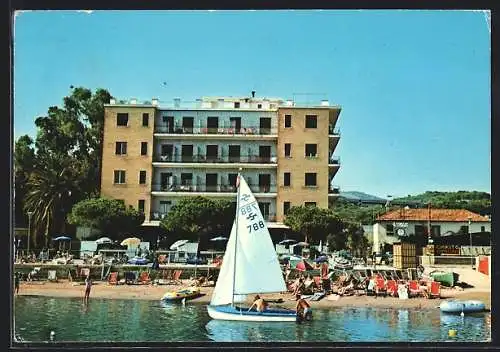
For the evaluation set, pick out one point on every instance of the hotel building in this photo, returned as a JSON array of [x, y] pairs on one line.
[[155, 155]]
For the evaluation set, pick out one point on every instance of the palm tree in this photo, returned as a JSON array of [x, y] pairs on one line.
[[49, 193]]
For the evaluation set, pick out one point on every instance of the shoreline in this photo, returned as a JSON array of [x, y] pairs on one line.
[[103, 290]]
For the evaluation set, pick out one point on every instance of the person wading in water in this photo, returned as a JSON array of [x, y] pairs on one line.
[[88, 286]]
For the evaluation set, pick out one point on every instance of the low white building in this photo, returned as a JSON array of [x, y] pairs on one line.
[[396, 224]]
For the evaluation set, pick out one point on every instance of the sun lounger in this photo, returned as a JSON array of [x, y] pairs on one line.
[[52, 275], [113, 278], [380, 286], [434, 289], [317, 296], [176, 278], [414, 288], [144, 278], [392, 288], [129, 277]]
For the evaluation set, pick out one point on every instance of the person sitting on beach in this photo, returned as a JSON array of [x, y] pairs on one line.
[[302, 307], [259, 303], [88, 286], [299, 287]]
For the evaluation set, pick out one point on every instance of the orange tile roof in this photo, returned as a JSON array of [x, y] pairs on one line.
[[456, 215]]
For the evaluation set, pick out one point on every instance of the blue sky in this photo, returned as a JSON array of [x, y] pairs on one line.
[[414, 86]]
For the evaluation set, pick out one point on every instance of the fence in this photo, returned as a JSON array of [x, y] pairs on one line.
[[446, 260]]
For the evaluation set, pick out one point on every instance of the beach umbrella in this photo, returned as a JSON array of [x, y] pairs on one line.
[[62, 238], [302, 244], [303, 265], [178, 243], [320, 247], [289, 241], [131, 241], [321, 259], [220, 238], [103, 240]]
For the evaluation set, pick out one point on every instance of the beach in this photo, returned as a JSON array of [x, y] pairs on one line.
[[64, 288]]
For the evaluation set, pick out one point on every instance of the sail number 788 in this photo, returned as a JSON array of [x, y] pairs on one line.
[[250, 215]]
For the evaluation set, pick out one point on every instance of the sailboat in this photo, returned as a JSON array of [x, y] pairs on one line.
[[250, 265]]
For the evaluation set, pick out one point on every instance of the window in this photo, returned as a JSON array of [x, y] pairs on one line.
[[389, 229], [286, 177], [483, 229], [236, 105], [259, 106], [310, 204], [310, 179], [145, 119], [119, 176], [286, 207], [464, 230], [436, 230], [122, 119], [288, 121], [311, 121], [165, 206], [144, 148], [288, 149], [311, 150], [121, 148], [141, 205], [142, 177]]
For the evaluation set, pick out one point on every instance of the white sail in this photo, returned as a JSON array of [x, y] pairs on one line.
[[257, 267]]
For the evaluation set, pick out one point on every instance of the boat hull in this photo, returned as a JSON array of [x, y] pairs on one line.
[[457, 306], [177, 296], [446, 279], [242, 314]]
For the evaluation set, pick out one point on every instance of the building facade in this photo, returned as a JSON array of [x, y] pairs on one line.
[[394, 225], [155, 155]]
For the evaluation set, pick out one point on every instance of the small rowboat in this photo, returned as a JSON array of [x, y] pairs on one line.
[[187, 293], [445, 278], [459, 306]]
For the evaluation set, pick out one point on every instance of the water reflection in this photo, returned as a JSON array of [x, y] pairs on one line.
[[129, 320]]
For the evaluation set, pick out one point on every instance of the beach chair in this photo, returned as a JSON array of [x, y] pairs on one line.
[[392, 288], [129, 277], [434, 289], [414, 289], [176, 278], [113, 278], [317, 283], [52, 276], [144, 278], [380, 286]]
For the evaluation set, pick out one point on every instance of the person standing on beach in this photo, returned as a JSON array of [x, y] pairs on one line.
[[16, 283], [88, 286]]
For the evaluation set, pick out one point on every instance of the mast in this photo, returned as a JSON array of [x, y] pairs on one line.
[[236, 233]]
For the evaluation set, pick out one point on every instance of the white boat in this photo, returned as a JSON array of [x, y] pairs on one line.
[[459, 306], [250, 266]]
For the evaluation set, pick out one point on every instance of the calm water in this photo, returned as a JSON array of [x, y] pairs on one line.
[[129, 320]]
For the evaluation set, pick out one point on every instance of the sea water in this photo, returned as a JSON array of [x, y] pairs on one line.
[[105, 320]]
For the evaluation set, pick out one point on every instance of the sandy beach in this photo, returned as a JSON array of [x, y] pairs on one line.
[[64, 288]]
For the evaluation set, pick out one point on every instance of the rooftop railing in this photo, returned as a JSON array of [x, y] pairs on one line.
[[203, 187], [333, 131], [204, 158], [249, 130]]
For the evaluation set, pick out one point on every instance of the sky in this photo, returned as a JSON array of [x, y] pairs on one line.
[[414, 86]]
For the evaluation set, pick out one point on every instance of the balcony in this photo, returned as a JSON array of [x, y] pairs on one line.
[[334, 161], [159, 216], [209, 188], [334, 190], [332, 131], [204, 158], [221, 131]]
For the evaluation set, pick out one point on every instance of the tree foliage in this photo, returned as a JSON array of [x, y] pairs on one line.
[[62, 165], [196, 217], [477, 202], [110, 216], [313, 222]]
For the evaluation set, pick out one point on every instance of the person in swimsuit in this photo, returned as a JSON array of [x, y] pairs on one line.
[[259, 304], [88, 286], [303, 308]]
